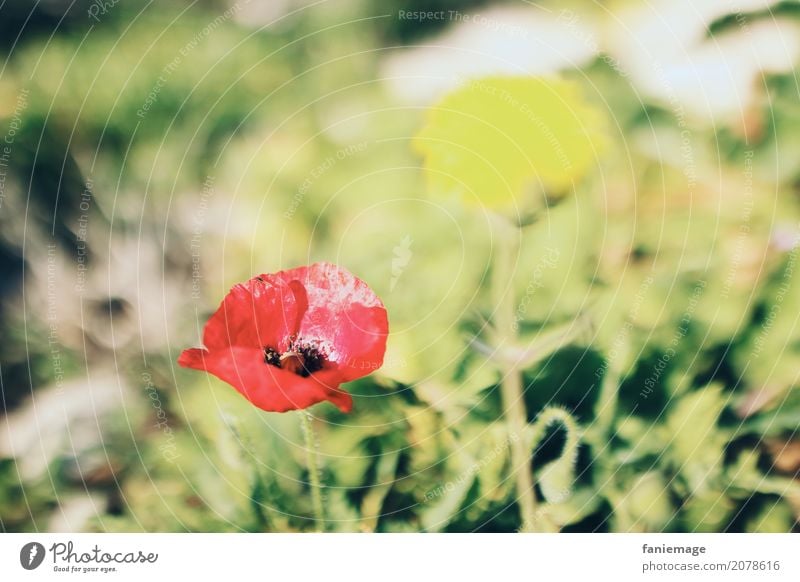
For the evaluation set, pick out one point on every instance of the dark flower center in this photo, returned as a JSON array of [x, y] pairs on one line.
[[303, 358]]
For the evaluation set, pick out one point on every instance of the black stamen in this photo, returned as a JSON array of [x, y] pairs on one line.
[[303, 358], [272, 357], [313, 358]]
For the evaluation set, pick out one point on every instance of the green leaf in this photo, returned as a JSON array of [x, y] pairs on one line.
[[775, 517], [648, 503], [696, 442], [583, 503], [373, 500], [451, 496], [708, 511]]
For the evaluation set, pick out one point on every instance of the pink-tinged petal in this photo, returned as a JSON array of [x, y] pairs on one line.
[[344, 313], [269, 387], [366, 351]]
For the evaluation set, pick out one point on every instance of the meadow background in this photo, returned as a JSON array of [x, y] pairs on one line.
[[154, 155]]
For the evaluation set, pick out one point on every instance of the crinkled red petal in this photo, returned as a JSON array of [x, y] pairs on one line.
[[254, 314], [266, 386], [344, 313]]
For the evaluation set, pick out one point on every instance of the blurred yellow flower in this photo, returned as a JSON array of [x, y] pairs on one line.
[[496, 138]]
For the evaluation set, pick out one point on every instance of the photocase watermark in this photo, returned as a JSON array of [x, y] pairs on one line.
[[197, 234], [741, 20], [572, 22], [683, 328], [621, 338], [81, 236], [323, 168], [53, 342], [422, 15], [100, 8], [364, 364], [32, 555], [67, 559], [170, 68], [14, 125], [549, 261], [488, 22], [777, 305], [401, 258], [168, 449], [685, 134], [744, 226], [506, 98], [687, 152], [475, 468]]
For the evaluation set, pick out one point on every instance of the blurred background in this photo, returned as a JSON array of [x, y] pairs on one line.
[[153, 156]]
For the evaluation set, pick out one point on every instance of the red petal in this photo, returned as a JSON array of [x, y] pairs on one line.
[[301, 302], [193, 358], [254, 314], [268, 387], [345, 313]]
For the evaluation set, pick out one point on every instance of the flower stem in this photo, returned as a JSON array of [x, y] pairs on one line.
[[511, 384], [514, 410], [312, 462], [511, 389]]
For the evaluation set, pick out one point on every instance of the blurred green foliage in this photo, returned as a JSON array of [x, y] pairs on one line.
[[657, 311]]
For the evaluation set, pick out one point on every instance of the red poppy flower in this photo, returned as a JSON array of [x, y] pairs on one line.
[[288, 340]]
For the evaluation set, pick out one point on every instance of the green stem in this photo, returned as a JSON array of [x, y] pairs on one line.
[[606, 407], [514, 410], [312, 461]]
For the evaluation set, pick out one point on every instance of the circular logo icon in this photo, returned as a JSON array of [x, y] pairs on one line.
[[31, 555]]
